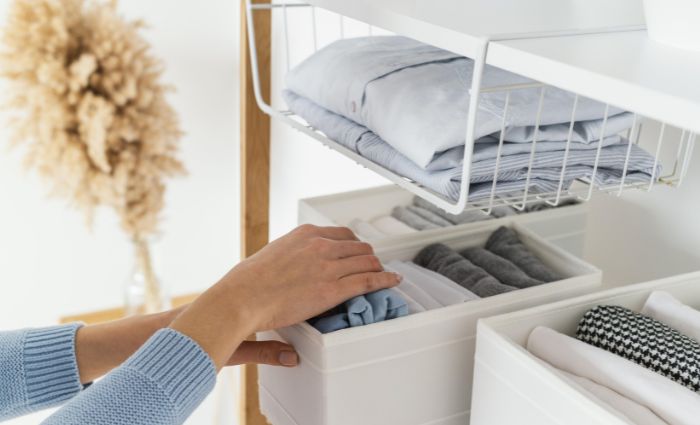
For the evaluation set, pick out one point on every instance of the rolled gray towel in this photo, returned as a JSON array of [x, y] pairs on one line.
[[441, 259], [430, 216], [541, 206], [471, 216], [412, 219], [502, 211], [505, 243], [500, 268]]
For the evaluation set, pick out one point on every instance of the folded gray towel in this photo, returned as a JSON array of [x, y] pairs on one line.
[[500, 268], [430, 216], [412, 219], [505, 243], [470, 216], [441, 259]]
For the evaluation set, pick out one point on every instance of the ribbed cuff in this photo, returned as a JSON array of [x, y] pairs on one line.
[[50, 366], [178, 365]]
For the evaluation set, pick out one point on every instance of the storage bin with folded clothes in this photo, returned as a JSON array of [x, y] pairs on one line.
[[423, 215], [417, 368], [403, 105], [440, 276], [627, 355], [643, 367]]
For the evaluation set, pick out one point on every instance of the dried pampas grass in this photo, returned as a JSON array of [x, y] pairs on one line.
[[89, 108]]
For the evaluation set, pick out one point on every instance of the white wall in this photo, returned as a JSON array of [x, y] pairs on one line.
[[643, 236]]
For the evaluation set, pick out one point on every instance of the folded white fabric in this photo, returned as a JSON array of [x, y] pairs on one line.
[[413, 290], [442, 289], [391, 226], [413, 306], [663, 307], [633, 411], [416, 97], [365, 230], [672, 402]]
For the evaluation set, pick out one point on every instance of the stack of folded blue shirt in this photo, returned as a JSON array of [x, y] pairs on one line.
[[403, 105]]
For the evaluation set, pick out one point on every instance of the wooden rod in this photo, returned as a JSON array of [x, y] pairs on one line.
[[255, 175]]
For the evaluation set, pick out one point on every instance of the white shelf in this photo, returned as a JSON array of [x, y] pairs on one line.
[[625, 69], [461, 25]]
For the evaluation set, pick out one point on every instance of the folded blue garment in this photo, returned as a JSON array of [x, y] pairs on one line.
[[377, 306], [515, 158], [415, 97]]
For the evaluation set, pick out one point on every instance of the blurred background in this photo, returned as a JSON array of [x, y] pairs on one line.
[[51, 265]]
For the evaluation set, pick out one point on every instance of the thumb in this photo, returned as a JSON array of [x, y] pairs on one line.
[[273, 353]]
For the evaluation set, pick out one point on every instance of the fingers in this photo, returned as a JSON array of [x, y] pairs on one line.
[[357, 264], [335, 233], [273, 353], [358, 284], [345, 249]]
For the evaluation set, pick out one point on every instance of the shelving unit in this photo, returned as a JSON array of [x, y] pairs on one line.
[[535, 45], [595, 48]]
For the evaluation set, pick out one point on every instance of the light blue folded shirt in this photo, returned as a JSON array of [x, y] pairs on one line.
[[512, 176], [416, 97]]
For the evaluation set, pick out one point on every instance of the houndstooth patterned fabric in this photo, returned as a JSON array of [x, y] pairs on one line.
[[644, 341]]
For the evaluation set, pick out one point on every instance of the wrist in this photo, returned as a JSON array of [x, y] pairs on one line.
[[245, 306], [217, 321]]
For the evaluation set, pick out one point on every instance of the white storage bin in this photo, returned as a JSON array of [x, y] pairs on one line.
[[564, 227], [412, 370], [506, 374]]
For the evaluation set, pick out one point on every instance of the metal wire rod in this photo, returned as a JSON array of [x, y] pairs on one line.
[[498, 152], [597, 154], [286, 36], [652, 178], [633, 129], [313, 26], [566, 151], [533, 149]]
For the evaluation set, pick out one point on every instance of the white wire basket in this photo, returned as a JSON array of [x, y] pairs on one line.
[[308, 39]]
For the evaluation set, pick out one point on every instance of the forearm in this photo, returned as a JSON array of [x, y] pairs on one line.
[[218, 321], [102, 347]]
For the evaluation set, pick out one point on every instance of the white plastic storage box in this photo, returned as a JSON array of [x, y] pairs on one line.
[[412, 370], [532, 392], [565, 227]]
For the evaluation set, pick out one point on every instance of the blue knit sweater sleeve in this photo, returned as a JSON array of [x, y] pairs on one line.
[[161, 384], [37, 369]]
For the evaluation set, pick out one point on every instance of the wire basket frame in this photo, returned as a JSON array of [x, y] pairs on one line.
[[583, 191]]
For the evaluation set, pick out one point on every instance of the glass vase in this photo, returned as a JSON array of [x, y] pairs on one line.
[[144, 292]]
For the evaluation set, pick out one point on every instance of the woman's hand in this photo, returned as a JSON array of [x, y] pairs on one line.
[[298, 276]]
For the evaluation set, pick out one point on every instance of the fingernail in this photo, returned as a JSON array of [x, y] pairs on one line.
[[399, 278], [289, 358]]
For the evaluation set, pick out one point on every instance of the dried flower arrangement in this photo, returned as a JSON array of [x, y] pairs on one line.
[[91, 112]]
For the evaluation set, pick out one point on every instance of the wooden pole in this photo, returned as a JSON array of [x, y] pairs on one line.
[[255, 176]]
